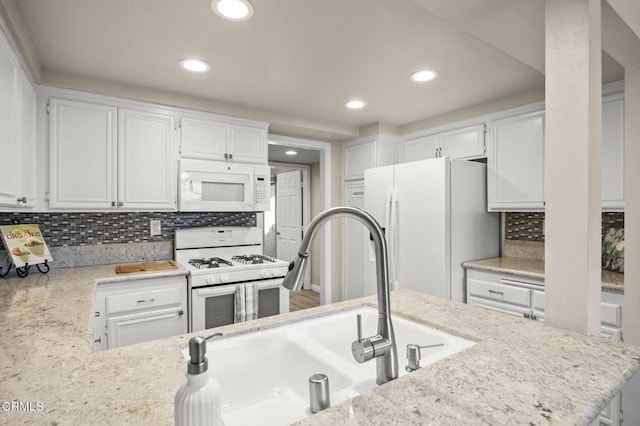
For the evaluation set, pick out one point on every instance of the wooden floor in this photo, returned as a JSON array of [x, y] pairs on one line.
[[303, 299]]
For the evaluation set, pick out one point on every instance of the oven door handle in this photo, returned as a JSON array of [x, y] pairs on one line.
[[218, 290], [265, 284]]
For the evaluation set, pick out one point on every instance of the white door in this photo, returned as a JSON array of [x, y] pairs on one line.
[[82, 157], [27, 142], [247, 144], [8, 119], [355, 237], [203, 139], [146, 160], [423, 226], [467, 142], [145, 326], [288, 214]]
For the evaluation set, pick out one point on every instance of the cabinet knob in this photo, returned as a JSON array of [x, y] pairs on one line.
[[120, 203], [113, 204], [22, 200]]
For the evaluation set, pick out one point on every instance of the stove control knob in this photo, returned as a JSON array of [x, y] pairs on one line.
[[224, 278], [264, 274], [212, 279]]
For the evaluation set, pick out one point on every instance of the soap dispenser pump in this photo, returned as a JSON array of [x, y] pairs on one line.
[[197, 402]]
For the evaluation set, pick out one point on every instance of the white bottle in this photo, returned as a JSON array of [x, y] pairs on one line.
[[197, 402]]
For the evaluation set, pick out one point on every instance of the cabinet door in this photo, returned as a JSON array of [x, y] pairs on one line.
[[515, 164], [203, 139], [467, 142], [146, 160], [8, 123], [143, 327], [82, 155], [247, 144], [613, 153], [420, 149], [27, 145], [357, 158], [537, 304]]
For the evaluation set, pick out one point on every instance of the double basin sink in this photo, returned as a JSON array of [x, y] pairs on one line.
[[265, 374]]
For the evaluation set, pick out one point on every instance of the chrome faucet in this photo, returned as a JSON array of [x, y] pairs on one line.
[[383, 345]]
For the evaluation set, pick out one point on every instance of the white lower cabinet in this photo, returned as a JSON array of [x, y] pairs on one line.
[[139, 311], [524, 297]]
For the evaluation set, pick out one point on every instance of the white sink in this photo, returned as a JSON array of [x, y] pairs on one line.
[[264, 375]]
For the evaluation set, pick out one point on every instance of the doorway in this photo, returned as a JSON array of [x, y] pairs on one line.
[[312, 162]]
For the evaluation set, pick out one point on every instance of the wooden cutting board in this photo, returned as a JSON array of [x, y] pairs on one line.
[[128, 268]]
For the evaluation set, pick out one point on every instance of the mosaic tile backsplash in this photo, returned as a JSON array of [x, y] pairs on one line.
[[78, 229], [530, 226]]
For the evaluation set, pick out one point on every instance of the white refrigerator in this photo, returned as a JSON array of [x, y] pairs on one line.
[[435, 217]]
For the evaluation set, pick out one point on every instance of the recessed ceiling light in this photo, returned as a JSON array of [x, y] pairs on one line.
[[423, 75], [195, 65], [355, 104], [234, 10], [291, 152]]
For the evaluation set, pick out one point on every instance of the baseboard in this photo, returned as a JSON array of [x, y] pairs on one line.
[[315, 287]]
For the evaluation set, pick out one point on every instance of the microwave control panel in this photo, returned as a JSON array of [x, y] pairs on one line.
[[261, 191]]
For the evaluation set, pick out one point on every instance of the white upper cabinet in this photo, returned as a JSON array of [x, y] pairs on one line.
[[9, 113], [357, 158], [463, 143], [515, 159], [104, 158], [422, 148], [27, 173], [213, 138], [146, 160], [613, 152], [82, 155], [367, 152], [515, 163], [466, 142]]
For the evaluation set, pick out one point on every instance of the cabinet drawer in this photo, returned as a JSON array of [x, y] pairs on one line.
[[503, 293], [143, 300], [611, 314], [505, 308]]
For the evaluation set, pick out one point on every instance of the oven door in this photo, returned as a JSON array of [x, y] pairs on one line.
[[273, 298], [214, 306]]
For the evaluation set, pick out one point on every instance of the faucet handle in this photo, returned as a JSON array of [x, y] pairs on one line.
[[362, 349]]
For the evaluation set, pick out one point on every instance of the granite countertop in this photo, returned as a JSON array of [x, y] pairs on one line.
[[535, 269], [519, 372]]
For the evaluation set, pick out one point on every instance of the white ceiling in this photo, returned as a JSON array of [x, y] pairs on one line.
[[295, 62], [277, 153]]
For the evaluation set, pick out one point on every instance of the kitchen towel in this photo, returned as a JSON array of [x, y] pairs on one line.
[[251, 301], [240, 305]]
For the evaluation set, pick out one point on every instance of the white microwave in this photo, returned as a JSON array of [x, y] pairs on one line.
[[216, 186]]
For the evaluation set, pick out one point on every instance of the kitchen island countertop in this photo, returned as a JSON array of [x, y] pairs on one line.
[[535, 269], [519, 372]]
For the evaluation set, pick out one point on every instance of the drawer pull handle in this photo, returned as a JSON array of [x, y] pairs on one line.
[[496, 292], [146, 301]]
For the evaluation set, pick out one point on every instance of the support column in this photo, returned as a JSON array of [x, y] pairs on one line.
[[573, 123], [631, 308]]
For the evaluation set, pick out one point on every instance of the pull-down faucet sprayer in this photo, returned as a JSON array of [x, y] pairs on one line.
[[383, 345]]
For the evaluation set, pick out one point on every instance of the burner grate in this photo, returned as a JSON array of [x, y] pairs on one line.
[[252, 259], [210, 262]]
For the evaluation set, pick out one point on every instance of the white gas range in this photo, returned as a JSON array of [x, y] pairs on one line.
[[230, 280]]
